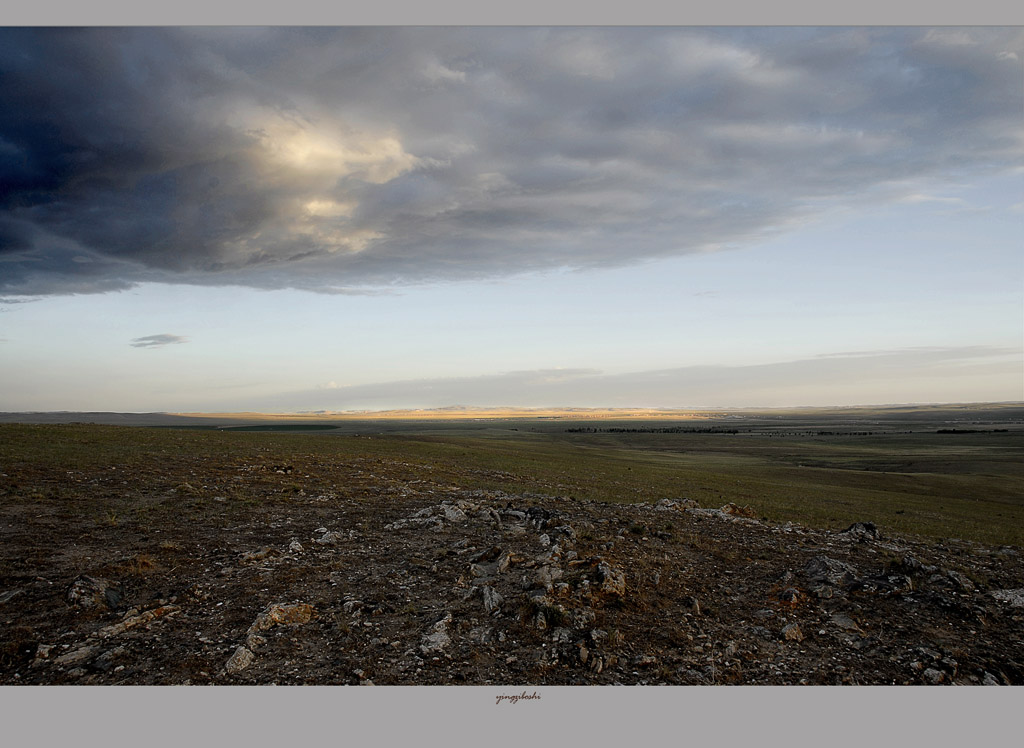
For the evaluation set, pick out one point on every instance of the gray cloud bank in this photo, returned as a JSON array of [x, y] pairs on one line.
[[336, 159], [907, 375], [156, 341]]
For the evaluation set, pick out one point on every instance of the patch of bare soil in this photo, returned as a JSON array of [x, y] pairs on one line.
[[251, 574]]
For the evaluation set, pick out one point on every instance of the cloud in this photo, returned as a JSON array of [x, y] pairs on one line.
[[927, 374], [358, 158], [157, 341], [919, 198]]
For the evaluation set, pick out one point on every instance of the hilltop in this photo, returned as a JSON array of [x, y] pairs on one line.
[[230, 565]]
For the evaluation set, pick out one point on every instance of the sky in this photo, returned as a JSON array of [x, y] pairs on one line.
[[289, 219]]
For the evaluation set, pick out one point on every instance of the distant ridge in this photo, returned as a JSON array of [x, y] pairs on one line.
[[1003, 410]]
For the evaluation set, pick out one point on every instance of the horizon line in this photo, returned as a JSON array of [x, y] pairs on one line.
[[527, 410]]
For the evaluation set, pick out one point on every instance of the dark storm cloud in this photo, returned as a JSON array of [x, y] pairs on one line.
[[156, 341], [333, 159]]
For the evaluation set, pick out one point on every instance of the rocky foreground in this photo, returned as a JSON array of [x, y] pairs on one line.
[[438, 585]]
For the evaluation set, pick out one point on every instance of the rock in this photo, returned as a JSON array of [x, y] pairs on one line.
[[282, 613], [132, 621], [431, 523], [911, 566], [492, 600], [906, 565], [676, 505], [791, 595], [900, 582], [990, 680], [330, 538], [561, 635], [962, 582], [933, 677], [43, 651], [93, 592], [78, 656], [734, 510], [250, 558], [108, 660], [792, 633], [861, 531], [763, 614], [295, 546], [538, 516], [884, 583], [546, 576], [717, 513], [240, 660], [613, 581], [583, 588], [951, 579], [503, 562], [582, 618], [487, 554], [568, 531], [949, 665], [553, 555], [482, 634], [761, 632], [928, 653], [453, 514], [825, 569], [1015, 598], [545, 540], [437, 638], [846, 623]]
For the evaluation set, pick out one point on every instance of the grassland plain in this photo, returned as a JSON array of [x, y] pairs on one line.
[[937, 472], [210, 524]]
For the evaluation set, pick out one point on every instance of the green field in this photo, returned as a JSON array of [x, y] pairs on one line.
[[896, 469]]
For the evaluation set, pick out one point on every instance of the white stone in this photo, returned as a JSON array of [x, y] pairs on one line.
[[240, 660]]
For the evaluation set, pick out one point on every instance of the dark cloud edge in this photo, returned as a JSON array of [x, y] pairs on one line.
[[525, 12]]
